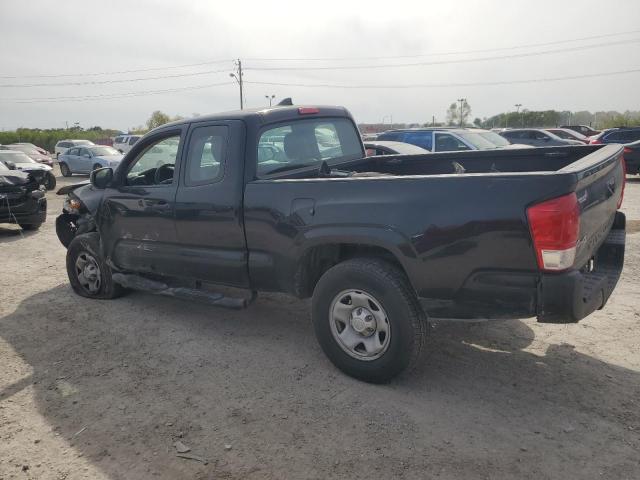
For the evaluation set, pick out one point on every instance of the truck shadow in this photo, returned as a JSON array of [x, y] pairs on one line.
[[120, 381]]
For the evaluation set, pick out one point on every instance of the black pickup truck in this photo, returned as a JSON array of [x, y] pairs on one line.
[[283, 199]]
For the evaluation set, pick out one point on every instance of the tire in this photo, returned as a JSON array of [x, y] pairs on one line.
[[30, 226], [51, 181], [398, 320], [84, 257], [64, 169]]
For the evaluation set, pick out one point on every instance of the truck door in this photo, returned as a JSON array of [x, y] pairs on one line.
[[136, 218], [209, 223]]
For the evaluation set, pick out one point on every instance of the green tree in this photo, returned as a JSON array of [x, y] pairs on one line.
[[157, 118], [457, 114]]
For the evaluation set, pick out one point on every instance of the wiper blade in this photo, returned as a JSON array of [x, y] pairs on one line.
[[290, 167]]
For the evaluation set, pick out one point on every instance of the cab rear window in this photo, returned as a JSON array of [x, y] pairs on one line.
[[306, 143]]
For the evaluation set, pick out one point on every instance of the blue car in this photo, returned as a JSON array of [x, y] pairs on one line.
[[85, 159]]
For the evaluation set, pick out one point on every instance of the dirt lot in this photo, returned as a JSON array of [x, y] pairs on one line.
[[92, 389]]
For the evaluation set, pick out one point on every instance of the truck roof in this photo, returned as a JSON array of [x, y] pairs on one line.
[[260, 116]]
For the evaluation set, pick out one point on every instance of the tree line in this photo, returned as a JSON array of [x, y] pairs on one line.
[[47, 138]]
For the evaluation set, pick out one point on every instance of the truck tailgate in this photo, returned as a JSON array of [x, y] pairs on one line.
[[570, 296]]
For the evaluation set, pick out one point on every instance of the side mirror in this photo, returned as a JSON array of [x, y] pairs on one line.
[[10, 165], [86, 155], [101, 178]]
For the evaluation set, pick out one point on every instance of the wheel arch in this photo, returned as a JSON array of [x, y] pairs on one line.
[[322, 249]]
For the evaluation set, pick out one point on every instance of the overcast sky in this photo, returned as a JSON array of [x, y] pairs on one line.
[[54, 37]]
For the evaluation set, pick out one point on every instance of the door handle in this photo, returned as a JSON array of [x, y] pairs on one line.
[[161, 206]]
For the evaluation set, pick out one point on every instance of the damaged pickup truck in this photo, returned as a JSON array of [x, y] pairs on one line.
[[284, 199]]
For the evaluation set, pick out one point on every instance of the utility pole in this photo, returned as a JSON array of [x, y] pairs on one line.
[[433, 120], [461, 100], [238, 77], [518, 105], [270, 98]]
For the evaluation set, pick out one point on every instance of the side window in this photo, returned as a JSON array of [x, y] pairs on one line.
[[448, 143], [540, 135], [133, 140], [155, 165], [72, 151], [117, 140], [206, 156], [421, 139], [83, 151], [614, 137]]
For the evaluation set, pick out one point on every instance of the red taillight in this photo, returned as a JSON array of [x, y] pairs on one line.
[[554, 228], [627, 150], [624, 179], [307, 110], [595, 141]]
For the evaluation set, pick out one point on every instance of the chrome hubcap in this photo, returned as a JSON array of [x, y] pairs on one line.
[[88, 273], [359, 324]]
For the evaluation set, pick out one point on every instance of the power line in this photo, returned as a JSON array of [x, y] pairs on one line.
[[91, 74], [444, 85], [110, 96], [213, 62], [103, 82], [456, 52], [446, 62]]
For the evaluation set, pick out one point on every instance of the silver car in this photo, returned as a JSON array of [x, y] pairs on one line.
[[536, 137], [89, 158]]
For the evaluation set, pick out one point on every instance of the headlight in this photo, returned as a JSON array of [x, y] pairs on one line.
[[72, 205]]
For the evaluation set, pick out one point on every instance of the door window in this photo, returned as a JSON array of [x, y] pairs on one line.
[[205, 159], [540, 135], [421, 139], [448, 143], [72, 151], [155, 165]]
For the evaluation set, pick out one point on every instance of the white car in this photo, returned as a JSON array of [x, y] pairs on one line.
[[63, 145], [124, 143]]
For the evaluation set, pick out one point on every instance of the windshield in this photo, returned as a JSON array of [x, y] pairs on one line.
[[15, 157], [100, 151], [306, 143], [24, 148], [496, 139], [478, 140]]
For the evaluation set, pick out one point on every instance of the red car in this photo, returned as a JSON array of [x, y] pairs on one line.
[[32, 151]]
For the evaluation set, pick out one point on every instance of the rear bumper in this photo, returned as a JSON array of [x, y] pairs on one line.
[[569, 297], [565, 297]]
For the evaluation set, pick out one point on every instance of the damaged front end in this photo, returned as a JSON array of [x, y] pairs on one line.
[[77, 212]]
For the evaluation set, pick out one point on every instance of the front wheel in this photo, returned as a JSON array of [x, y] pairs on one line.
[[30, 226], [51, 181], [65, 170], [89, 274], [367, 319]]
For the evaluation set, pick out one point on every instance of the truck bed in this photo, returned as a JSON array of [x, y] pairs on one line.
[[463, 239]]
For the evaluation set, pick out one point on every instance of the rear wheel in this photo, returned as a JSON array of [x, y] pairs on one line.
[[367, 319], [89, 274], [64, 169]]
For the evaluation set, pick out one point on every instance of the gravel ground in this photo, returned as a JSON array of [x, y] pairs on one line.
[[104, 389]]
